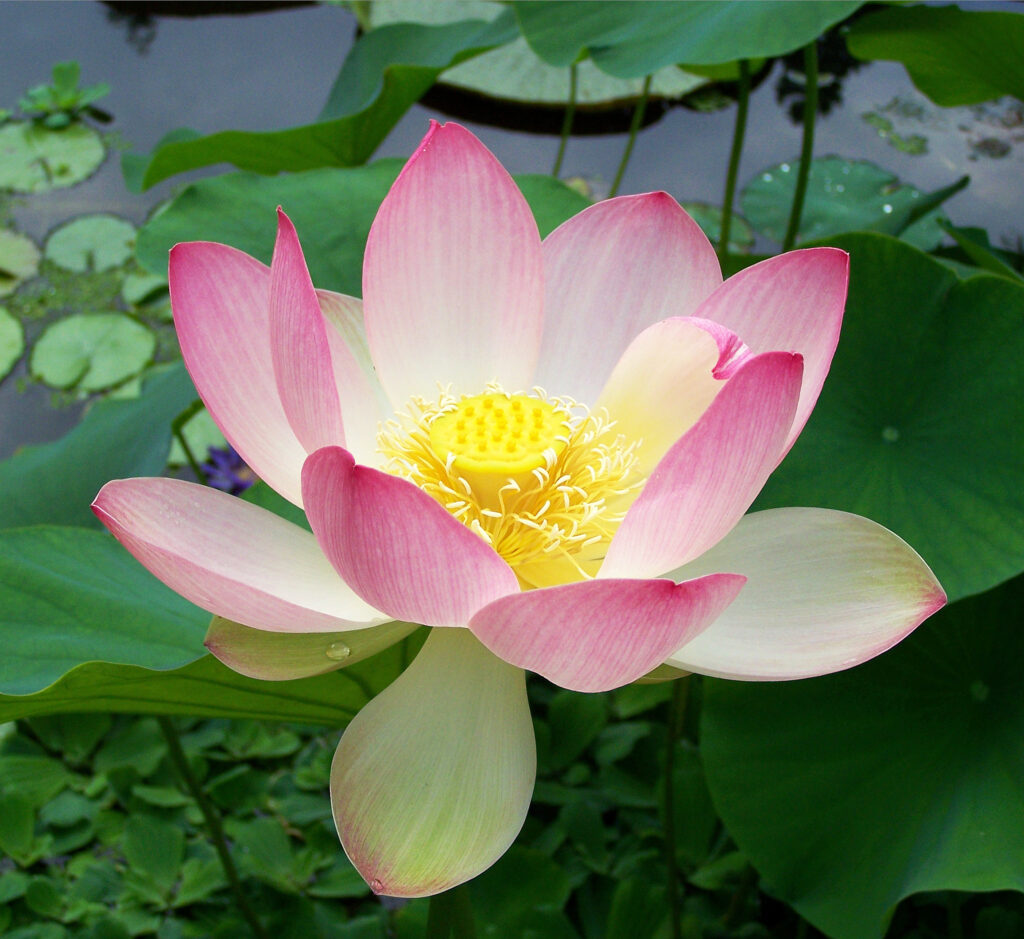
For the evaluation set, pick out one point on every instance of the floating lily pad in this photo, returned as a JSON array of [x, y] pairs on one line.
[[709, 217], [91, 243], [19, 260], [12, 341], [903, 775], [842, 196], [513, 72], [138, 288], [918, 425], [92, 351], [36, 159]]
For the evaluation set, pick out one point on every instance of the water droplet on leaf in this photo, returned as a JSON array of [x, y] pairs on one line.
[[338, 651]]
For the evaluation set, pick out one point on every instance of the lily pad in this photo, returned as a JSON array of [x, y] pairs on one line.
[[34, 158], [92, 351], [513, 72], [842, 196], [903, 775], [141, 287], [91, 243], [19, 260], [709, 218], [918, 425], [12, 341]]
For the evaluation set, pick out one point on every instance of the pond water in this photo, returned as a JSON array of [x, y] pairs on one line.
[[270, 70]]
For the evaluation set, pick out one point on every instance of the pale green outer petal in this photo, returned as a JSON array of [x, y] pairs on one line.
[[276, 656], [825, 591], [432, 780]]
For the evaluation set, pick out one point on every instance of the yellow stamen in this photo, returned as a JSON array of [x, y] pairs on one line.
[[542, 480]]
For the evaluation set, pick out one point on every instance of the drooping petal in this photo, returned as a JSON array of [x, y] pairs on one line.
[[363, 402], [275, 656], [611, 271], [231, 558], [452, 278], [221, 302], [397, 547], [666, 379], [299, 346], [600, 634], [432, 779], [709, 477], [825, 591], [791, 303]]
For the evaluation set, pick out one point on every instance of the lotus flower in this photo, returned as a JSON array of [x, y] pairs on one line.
[[542, 450]]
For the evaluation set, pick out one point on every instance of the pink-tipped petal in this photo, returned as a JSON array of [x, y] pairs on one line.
[[432, 780], [825, 591], [791, 303], [221, 302], [611, 271], [234, 559], [601, 634], [364, 406], [299, 346], [666, 379], [452, 278], [709, 477], [275, 656], [397, 547]]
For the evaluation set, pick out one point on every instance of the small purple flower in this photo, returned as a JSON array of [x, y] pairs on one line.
[[225, 470]]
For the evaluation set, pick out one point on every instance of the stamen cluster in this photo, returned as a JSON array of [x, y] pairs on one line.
[[562, 511]]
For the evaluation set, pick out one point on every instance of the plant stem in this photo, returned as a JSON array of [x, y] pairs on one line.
[[807, 149], [178, 431], [570, 113], [450, 915], [634, 127], [738, 133], [213, 824], [674, 726]]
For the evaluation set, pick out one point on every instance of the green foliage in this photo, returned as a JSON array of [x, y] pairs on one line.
[[628, 39], [906, 774], [12, 341], [954, 56], [37, 159], [386, 72], [914, 427], [844, 196], [58, 104]]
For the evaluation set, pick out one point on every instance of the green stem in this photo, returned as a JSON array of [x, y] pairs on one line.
[[570, 112], [450, 915], [178, 430], [674, 727], [634, 128], [212, 817], [738, 133], [807, 149]]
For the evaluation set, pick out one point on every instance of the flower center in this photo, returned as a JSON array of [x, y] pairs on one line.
[[544, 481], [491, 438]]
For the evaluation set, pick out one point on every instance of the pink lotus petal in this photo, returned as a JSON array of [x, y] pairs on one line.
[[666, 379], [600, 634], [610, 272], [792, 303], [452, 278], [397, 547], [234, 559], [826, 590], [299, 346], [363, 402], [220, 298], [432, 779], [708, 479]]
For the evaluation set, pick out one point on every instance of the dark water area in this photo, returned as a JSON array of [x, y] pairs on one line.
[[270, 70]]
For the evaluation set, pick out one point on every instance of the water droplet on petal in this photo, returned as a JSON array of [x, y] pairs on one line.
[[377, 885], [338, 651]]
